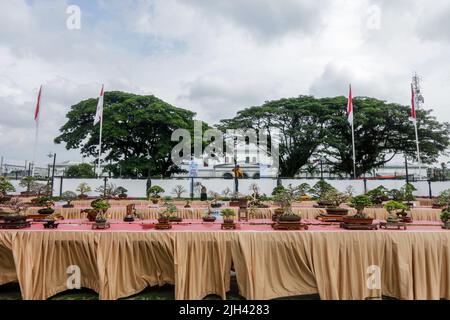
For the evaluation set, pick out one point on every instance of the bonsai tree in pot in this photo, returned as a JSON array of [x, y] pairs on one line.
[[334, 199], [69, 196], [178, 190], [209, 217], [100, 207], [303, 189], [359, 202], [27, 182], [378, 196], [285, 199], [169, 213], [5, 187], [215, 199], [445, 218], [395, 210], [228, 215], [121, 192], [443, 200], [154, 193], [15, 214], [83, 189], [319, 190], [396, 195], [48, 210], [408, 194], [107, 191], [226, 194]]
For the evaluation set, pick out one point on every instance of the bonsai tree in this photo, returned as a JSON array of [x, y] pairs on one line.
[[226, 194], [320, 188], [349, 191], [395, 209], [48, 204], [154, 193], [359, 203], [443, 199], [303, 189], [178, 190], [107, 191], [277, 190], [445, 218], [121, 192], [69, 196], [396, 195], [407, 191], [101, 206], [83, 189], [378, 195], [5, 187], [285, 198], [27, 183], [168, 213], [215, 199], [333, 199], [227, 215], [254, 188]]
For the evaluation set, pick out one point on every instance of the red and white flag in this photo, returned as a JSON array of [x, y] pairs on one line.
[[350, 106], [413, 104], [99, 113], [38, 105]]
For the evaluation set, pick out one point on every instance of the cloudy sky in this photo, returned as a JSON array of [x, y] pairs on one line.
[[213, 57]]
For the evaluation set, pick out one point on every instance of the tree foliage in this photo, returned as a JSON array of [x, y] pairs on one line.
[[136, 132], [83, 170], [319, 127]]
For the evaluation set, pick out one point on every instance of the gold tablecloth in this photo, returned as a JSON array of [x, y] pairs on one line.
[[334, 264]]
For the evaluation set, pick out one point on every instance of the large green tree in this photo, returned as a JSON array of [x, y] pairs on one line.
[[136, 132], [83, 170], [382, 131], [301, 123], [319, 127]]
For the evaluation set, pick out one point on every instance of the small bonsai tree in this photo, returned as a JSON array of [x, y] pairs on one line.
[[320, 188], [359, 203], [334, 197], [83, 189], [277, 190], [378, 195], [443, 199], [215, 199], [408, 190], [445, 216], [109, 191], [227, 214], [5, 187], [69, 196], [121, 192], [101, 206], [27, 182], [285, 198], [396, 195], [395, 209], [155, 191], [178, 190], [226, 194], [169, 211]]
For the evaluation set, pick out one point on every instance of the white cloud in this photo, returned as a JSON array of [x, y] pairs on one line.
[[214, 57]]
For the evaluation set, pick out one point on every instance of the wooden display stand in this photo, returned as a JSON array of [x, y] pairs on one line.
[[352, 226], [243, 214], [289, 225], [163, 226], [330, 218], [393, 225], [228, 226], [15, 225]]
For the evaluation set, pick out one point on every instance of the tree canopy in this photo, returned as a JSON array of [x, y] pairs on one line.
[[319, 127], [83, 170], [136, 132]]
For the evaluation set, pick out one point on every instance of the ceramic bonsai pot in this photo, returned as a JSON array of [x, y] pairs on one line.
[[50, 224], [82, 197], [175, 219], [128, 218], [337, 211], [155, 201], [234, 203], [68, 206], [46, 211], [163, 220], [290, 218], [356, 220], [216, 205], [91, 214], [209, 218]]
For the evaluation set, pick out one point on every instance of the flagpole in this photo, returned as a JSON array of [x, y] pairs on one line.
[[414, 118], [36, 134], [100, 147], [354, 152], [99, 113]]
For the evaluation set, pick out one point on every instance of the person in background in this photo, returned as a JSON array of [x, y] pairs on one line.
[[203, 194]]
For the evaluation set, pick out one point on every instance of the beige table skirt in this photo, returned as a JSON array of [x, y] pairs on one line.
[[334, 264]]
